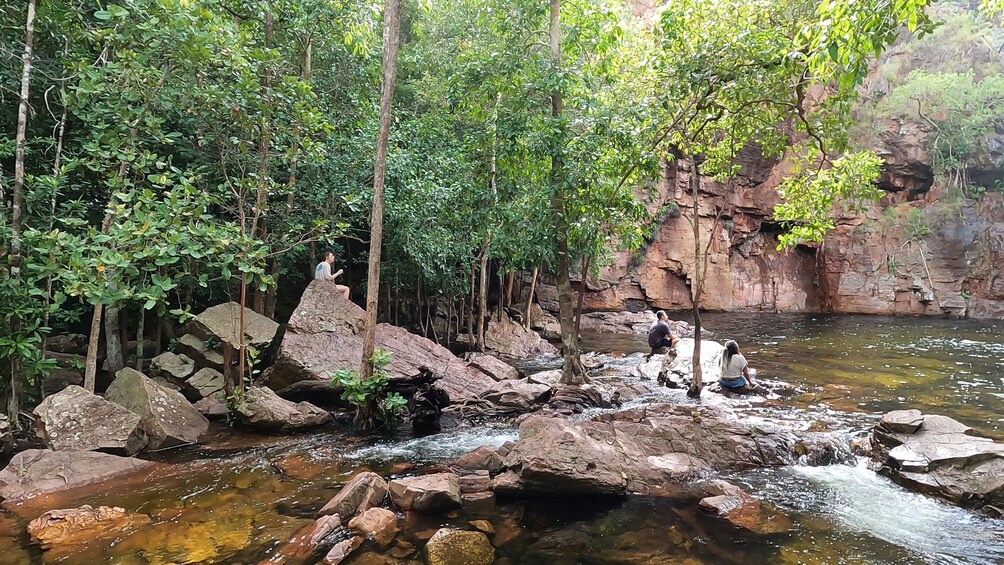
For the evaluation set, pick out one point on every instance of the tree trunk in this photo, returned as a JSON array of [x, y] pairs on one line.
[[697, 285], [529, 297], [470, 310], [258, 225], [510, 279], [391, 42], [139, 339], [113, 339], [14, 400], [573, 372], [582, 294], [479, 345], [91, 363]]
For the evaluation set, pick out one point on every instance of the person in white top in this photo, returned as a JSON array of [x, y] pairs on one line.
[[735, 369], [322, 272]]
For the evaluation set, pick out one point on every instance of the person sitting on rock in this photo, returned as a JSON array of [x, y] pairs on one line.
[[322, 272], [660, 334], [735, 370]]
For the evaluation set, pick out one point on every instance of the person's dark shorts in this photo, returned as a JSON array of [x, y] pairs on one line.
[[664, 342]]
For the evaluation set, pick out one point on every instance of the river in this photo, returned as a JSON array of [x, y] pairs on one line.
[[236, 498]]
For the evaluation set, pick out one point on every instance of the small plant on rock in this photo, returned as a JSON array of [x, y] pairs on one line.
[[370, 397]]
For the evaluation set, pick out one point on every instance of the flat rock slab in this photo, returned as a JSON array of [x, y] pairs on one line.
[[41, 471], [75, 419], [67, 529], [427, 493], [939, 457], [639, 451], [172, 367], [492, 366], [205, 382], [168, 419], [735, 506], [198, 351]]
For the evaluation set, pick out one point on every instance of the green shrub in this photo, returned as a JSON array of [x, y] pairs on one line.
[[371, 392]]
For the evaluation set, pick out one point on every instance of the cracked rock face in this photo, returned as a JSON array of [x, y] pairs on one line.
[[40, 471], [75, 419], [937, 455]]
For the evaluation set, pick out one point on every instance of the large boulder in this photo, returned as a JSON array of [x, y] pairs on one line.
[[459, 547], [265, 410], [641, 450], [939, 456], [324, 335], [221, 323], [167, 417], [427, 493], [492, 366], [363, 491], [680, 367], [377, 524], [75, 419], [508, 338], [516, 396], [40, 471], [65, 529]]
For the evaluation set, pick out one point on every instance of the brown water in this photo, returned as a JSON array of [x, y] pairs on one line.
[[237, 498]]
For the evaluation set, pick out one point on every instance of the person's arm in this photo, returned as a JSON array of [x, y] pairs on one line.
[[337, 274]]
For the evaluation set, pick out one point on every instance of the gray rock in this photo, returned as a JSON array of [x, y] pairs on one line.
[[167, 417], [680, 366], [222, 323], [492, 366], [942, 459], [264, 409], [40, 471], [903, 421], [427, 493], [196, 349], [75, 419], [205, 382], [641, 450], [171, 367], [212, 407], [364, 491]]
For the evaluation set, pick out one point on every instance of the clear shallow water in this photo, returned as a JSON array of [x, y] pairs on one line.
[[236, 499]]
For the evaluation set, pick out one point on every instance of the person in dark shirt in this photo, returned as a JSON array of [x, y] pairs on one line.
[[660, 334]]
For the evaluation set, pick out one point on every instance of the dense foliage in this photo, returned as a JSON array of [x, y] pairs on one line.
[[181, 152]]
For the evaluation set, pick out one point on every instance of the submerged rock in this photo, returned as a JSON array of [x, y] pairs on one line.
[[459, 547], [735, 506], [325, 335], [166, 416], [940, 457], [40, 471], [308, 542], [640, 450], [427, 493], [363, 491], [65, 528], [75, 419], [265, 410]]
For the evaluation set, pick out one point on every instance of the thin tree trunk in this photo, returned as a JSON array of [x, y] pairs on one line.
[[582, 294], [698, 281], [91, 363], [573, 372], [113, 339], [14, 400], [258, 224], [391, 42], [529, 297], [470, 310], [241, 346], [139, 339], [510, 278], [479, 345]]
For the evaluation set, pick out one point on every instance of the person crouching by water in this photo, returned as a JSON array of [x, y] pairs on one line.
[[322, 272], [660, 334], [735, 370]]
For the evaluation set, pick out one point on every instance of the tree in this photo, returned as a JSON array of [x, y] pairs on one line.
[[733, 74], [391, 43]]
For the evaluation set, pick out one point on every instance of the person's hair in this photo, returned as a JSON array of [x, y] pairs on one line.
[[660, 315], [731, 348]]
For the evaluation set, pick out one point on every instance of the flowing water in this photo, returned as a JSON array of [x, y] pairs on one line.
[[235, 499]]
